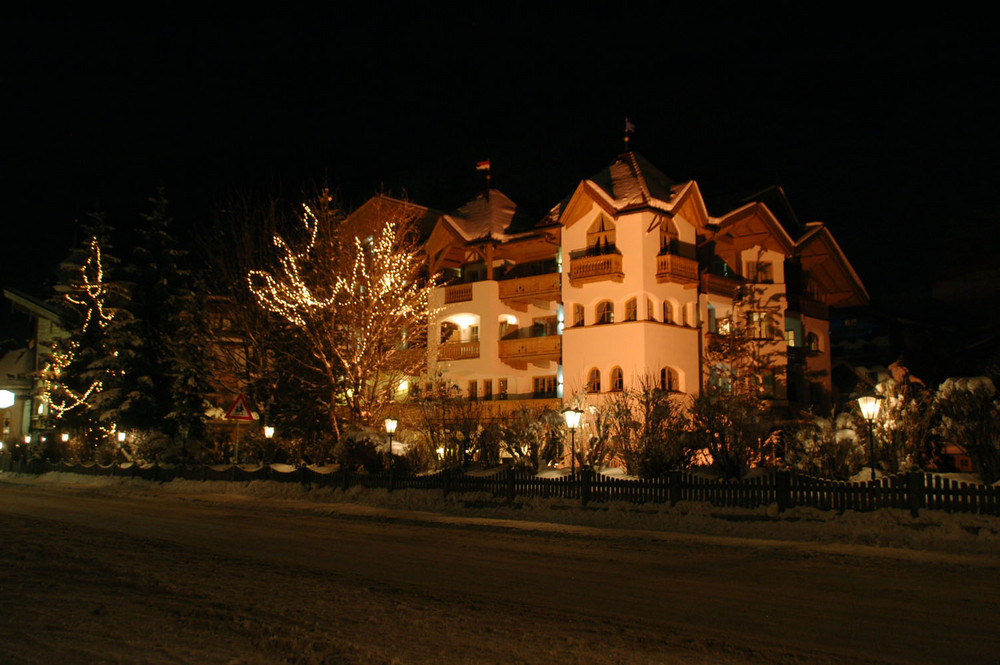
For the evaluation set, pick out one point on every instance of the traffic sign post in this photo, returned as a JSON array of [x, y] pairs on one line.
[[240, 412]]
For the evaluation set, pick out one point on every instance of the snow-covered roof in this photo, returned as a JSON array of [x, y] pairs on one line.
[[631, 181], [491, 215]]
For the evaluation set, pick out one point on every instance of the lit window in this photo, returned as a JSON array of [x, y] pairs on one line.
[[790, 337], [760, 325], [594, 381]]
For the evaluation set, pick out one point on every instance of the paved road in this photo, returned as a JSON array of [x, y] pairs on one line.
[[141, 577]]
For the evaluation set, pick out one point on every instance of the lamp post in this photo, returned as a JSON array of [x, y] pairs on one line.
[[572, 417], [390, 429], [869, 411]]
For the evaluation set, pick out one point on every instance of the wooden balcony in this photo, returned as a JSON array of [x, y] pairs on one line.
[[597, 268], [719, 285], [531, 289], [458, 350], [674, 268], [457, 293], [518, 353]]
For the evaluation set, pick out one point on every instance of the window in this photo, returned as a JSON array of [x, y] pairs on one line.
[[649, 310], [630, 310], [669, 238], [722, 326], [447, 330], [790, 337], [712, 322], [761, 272], [617, 380], [668, 312], [473, 390], [473, 333], [594, 381], [501, 388], [544, 386], [487, 388], [504, 328], [812, 341], [760, 325], [601, 236], [577, 315], [669, 380], [605, 312]]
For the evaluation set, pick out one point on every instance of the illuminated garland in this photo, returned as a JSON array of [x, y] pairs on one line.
[[94, 289]]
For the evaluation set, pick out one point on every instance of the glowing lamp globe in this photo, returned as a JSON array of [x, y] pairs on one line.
[[869, 407], [6, 399]]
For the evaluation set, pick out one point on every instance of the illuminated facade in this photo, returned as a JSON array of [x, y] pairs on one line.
[[626, 278]]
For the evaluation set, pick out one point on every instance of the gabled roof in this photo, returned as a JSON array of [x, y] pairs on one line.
[[490, 215], [35, 307], [822, 257], [754, 224]]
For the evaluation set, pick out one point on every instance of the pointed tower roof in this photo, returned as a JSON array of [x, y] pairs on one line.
[[632, 181]]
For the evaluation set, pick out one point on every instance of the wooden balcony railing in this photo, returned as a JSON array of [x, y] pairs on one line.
[[674, 268], [458, 350], [531, 288], [596, 268], [528, 348], [719, 285], [457, 293]]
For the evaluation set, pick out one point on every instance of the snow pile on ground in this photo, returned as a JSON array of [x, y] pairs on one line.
[[931, 531]]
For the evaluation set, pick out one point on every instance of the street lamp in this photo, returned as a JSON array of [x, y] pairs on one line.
[[572, 417], [390, 429], [268, 431], [869, 411]]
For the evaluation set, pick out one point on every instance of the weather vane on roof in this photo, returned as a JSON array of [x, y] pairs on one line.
[[629, 129]]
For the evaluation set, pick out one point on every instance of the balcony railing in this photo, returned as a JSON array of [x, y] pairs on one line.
[[719, 285], [458, 350], [532, 288], [596, 268], [457, 293], [531, 349], [674, 268]]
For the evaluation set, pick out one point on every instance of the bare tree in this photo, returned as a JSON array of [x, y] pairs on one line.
[[356, 299], [647, 428]]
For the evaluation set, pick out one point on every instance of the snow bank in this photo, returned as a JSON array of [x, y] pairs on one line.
[[932, 531]]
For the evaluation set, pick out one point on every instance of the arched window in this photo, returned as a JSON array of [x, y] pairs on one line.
[[617, 380], [669, 380], [812, 341], [577, 315], [594, 381], [649, 310], [605, 312], [601, 235], [630, 310], [668, 312]]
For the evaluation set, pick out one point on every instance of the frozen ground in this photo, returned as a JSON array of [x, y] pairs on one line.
[[96, 570]]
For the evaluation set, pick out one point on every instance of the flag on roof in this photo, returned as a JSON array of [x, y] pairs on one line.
[[629, 127], [483, 166]]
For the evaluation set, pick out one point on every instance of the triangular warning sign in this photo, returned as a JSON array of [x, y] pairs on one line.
[[240, 410]]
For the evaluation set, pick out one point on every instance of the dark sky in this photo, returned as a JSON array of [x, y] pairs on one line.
[[883, 130]]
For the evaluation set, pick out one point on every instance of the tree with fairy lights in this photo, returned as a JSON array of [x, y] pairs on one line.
[[354, 292], [81, 367]]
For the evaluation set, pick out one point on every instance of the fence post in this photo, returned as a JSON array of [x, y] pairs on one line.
[[389, 478], [346, 479], [782, 489], [915, 492], [674, 487], [446, 481], [510, 484], [585, 485]]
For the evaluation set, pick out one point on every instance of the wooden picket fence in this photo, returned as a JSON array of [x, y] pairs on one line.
[[912, 491]]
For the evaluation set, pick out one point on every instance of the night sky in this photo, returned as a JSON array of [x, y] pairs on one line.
[[885, 131]]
